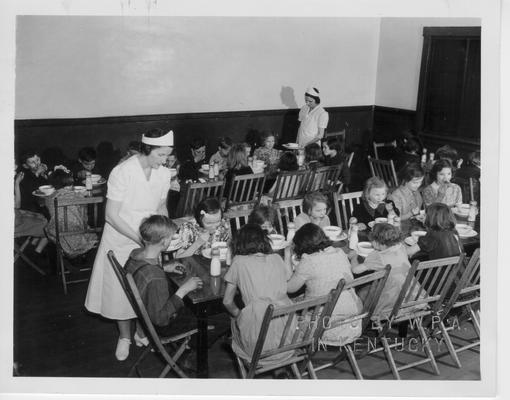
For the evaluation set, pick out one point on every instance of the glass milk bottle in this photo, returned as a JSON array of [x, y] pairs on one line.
[[353, 233], [211, 170], [424, 156], [291, 231], [88, 180], [215, 262], [216, 169], [473, 211]]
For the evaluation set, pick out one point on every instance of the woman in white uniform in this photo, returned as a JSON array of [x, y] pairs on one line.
[[313, 119], [137, 188]]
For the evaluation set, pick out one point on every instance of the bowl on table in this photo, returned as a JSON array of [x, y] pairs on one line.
[[258, 166], [464, 230], [79, 189], [365, 248], [276, 240], [381, 220], [461, 210], [46, 189], [332, 232], [95, 178]]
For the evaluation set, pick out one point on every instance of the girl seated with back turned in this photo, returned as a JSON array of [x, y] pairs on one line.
[[320, 268], [407, 197], [388, 249], [261, 278], [374, 203], [334, 155], [442, 239], [315, 210], [237, 164], [313, 156], [442, 190], [265, 216], [207, 227], [74, 245], [287, 163]]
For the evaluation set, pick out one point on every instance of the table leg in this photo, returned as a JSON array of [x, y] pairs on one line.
[[202, 348]]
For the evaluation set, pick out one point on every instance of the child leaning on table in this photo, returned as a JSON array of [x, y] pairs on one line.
[[162, 304], [315, 210], [388, 249], [407, 197]]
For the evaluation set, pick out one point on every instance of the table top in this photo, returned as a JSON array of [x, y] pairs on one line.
[[213, 287]]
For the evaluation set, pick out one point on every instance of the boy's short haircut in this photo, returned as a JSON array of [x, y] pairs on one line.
[[25, 155], [87, 154], [385, 234], [313, 198], [155, 228]]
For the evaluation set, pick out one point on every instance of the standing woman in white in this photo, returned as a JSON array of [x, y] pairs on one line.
[[137, 188], [313, 119]]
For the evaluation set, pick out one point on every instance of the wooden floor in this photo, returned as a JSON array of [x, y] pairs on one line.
[[54, 336]]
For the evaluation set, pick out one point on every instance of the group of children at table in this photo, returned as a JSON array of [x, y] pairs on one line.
[[263, 277]]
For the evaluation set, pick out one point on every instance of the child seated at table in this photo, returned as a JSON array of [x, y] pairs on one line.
[[174, 194], [287, 163], [220, 157], [442, 239], [407, 197], [72, 245], [388, 249], [237, 164], [320, 268], [334, 155], [313, 156], [261, 278], [265, 216], [190, 168], [267, 152], [207, 227], [315, 210], [34, 175], [374, 202], [442, 190], [164, 307], [86, 163]]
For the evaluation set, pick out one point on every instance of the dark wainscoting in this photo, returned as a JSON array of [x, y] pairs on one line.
[[111, 135]]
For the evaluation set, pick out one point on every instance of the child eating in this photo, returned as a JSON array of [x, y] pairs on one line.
[[374, 203], [315, 210], [442, 190]]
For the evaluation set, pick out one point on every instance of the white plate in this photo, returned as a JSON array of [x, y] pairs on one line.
[[40, 194], [471, 233], [101, 181], [207, 254], [340, 237], [280, 246], [291, 145], [465, 231], [460, 213]]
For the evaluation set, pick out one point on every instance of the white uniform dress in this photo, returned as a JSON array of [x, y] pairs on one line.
[[311, 122], [140, 198]]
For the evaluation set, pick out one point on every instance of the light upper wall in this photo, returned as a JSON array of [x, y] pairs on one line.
[[399, 61], [72, 67]]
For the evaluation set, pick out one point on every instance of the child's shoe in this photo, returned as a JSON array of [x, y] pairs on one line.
[[122, 351], [141, 341]]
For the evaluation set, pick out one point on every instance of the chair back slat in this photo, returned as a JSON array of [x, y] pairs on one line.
[[420, 294], [237, 219], [384, 170], [194, 193], [350, 157], [466, 288], [287, 211], [325, 179], [383, 144], [291, 185], [344, 205], [245, 190]]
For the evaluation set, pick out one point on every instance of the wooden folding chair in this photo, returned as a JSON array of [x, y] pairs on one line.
[[344, 205], [89, 207], [338, 135], [305, 322], [427, 283], [19, 252], [326, 179], [237, 219], [287, 211], [384, 170], [392, 144], [465, 295], [194, 193], [156, 343], [291, 185], [245, 190], [373, 284]]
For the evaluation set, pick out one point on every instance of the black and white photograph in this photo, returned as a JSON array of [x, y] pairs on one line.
[[221, 200]]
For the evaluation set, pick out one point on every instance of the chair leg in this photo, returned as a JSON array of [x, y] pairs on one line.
[[428, 349], [134, 367], [176, 357], [449, 344], [389, 357], [60, 262], [353, 362], [295, 369], [31, 264], [311, 369], [241, 367], [474, 319]]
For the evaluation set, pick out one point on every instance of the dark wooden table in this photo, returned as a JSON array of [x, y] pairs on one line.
[[202, 302]]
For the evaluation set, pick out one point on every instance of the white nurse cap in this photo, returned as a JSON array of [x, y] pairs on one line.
[[165, 140]]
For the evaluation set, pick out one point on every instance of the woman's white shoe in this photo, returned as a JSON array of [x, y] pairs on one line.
[[141, 341], [122, 351]]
